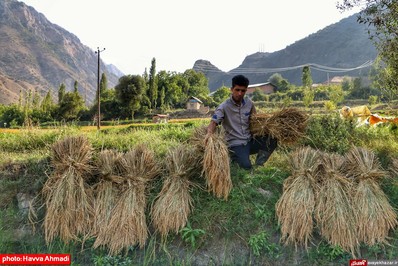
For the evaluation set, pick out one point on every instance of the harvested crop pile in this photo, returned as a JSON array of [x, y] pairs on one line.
[[106, 192], [68, 199], [375, 215], [287, 125], [216, 168], [127, 224], [333, 212], [296, 206], [173, 205], [213, 153]]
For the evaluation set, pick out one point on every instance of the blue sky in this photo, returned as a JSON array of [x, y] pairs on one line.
[[179, 32]]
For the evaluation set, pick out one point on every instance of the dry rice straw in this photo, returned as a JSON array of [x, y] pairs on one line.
[[296, 205], [127, 225], [173, 205], [375, 216], [216, 168], [334, 214], [107, 193], [287, 125], [68, 200]]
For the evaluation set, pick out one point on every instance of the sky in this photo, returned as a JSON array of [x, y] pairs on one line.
[[178, 32]]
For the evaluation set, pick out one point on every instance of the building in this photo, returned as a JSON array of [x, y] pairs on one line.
[[194, 103], [266, 88]]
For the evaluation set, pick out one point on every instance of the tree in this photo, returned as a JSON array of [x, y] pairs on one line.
[[153, 86], [281, 83], [258, 95], [308, 97], [129, 92], [306, 78], [381, 17], [61, 92], [103, 84], [75, 86], [71, 105], [47, 104], [221, 94]]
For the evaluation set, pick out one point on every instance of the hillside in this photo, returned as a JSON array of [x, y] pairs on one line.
[[343, 45], [36, 54]]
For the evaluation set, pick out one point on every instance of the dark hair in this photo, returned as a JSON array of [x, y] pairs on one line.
[[240, 80]]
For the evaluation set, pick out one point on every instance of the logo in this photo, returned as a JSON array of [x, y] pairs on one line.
[[358, 263]]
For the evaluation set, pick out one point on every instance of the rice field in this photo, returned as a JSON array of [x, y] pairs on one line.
[[180, 213]]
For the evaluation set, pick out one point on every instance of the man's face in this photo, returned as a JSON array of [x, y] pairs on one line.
[[238, 92]]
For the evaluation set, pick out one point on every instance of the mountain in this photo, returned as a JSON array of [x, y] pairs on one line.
[[343, 45], [36, 54]]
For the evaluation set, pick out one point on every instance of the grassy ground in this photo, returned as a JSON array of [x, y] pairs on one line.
[[240, 231]]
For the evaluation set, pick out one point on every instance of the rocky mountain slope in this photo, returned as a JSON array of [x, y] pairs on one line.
[[343, 45], [36, 54]]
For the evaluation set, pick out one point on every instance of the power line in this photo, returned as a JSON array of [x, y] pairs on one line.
[[207, 68]]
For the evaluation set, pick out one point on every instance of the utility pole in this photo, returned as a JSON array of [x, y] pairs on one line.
[[98, 52]]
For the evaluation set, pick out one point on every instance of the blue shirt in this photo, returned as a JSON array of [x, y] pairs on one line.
[[235, 119]]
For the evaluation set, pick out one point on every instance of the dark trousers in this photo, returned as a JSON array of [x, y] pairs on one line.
[[241, 154]]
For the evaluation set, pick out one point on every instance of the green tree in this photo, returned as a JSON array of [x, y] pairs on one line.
[[47, 105], [221, 94], [103, 84], [61, 92], [308, 97], [336, 94], [71, 106], [258, 95], [152, 85], [75, 86], [381, 16], [36, 100], [306, 77], [129, 91], [281, 83]]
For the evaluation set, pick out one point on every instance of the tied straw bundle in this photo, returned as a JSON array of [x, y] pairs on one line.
[[215, 160], [173, 205], [108, 165], [296, 206], [68, 201], [216, 167], [287, 125], [127, 225], [333, 211], [375, 216]]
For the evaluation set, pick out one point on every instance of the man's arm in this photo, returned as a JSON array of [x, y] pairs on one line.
[[212, 127]]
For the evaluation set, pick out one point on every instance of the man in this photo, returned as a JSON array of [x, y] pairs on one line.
[[234, 115]]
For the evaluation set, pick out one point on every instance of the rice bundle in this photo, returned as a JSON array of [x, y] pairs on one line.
[[286, 125], [106, 192], [333, 212], [68, 201], [296, 206], [173, 204], [375, 216], [127, 225], [216, 168], [394, 167]]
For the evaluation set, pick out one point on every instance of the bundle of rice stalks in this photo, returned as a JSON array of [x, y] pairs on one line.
[[296, 205], [173, 204], [106, 192], [127, 225], [375, 216], [216, 168], [198, 139], [287, 125], [394, 167], [333, 211], [68, 200]]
